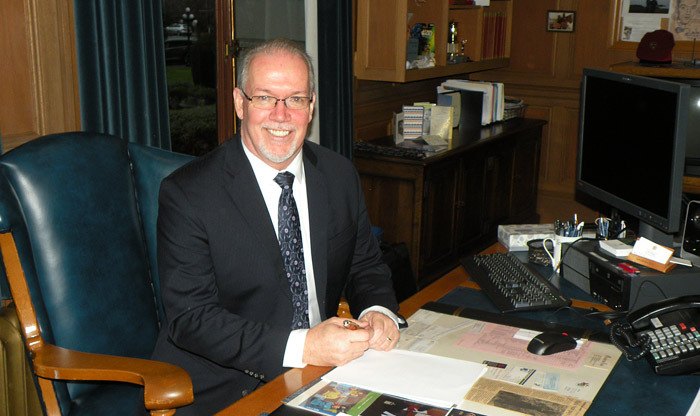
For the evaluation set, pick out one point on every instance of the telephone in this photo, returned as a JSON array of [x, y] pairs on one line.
[[666, 333]]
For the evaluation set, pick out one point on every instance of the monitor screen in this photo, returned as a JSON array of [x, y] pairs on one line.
[[631, 156]]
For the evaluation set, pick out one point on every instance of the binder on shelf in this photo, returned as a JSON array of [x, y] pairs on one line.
[[470, 106], [452, 99], [492, 96]]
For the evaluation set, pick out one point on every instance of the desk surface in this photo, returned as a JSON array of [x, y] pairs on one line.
[[268, 397]]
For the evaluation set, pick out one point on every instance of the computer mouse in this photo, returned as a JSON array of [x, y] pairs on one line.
[[548, 343]]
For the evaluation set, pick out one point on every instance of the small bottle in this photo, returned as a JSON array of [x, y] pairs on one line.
[[452, 43]]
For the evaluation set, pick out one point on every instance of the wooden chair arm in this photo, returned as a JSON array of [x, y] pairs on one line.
[[165, 386]]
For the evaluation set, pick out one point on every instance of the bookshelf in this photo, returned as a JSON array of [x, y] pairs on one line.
[[383, 29]]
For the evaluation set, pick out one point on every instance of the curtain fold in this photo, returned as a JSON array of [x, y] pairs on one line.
[[121, 70], [335, 75]]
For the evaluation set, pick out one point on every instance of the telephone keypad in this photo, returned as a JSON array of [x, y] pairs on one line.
[[670, 342]]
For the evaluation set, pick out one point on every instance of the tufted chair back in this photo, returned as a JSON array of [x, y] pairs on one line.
[[78, 216]]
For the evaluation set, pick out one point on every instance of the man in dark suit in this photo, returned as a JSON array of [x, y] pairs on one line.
[[225, 281]]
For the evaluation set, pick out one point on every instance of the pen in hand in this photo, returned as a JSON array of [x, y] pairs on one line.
[[350, 325]]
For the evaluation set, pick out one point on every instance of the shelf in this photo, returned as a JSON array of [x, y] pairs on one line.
[[673, 70], [691, 185], [383, 31], [454, 69]]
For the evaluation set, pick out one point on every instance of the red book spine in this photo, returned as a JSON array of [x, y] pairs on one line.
[[486, 49]]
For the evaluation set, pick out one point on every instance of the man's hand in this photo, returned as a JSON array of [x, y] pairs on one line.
[[331, 344], [385, 334]]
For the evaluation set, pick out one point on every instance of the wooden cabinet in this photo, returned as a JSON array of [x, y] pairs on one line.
[[383, 32], [451, 204]]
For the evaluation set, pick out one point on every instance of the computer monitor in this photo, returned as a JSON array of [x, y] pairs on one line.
[[632, 137]]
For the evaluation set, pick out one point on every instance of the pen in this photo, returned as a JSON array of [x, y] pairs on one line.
[[350, 325]]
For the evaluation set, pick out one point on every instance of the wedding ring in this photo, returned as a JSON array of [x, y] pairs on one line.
[[388, 339]]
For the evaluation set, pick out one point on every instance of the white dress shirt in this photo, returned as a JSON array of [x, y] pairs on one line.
[[265, 176]]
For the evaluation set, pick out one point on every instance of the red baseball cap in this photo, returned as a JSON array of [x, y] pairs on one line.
[[655, 47]]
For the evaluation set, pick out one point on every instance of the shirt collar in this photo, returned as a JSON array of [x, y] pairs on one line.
[[263, 171]]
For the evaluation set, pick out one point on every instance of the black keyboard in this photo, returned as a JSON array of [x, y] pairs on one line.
[[393, 151], [511, 285]]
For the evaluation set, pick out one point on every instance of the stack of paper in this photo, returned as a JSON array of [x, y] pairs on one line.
[[427, 378], [493, 103]]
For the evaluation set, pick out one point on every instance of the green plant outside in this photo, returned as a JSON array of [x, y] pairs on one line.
[[192, 111]]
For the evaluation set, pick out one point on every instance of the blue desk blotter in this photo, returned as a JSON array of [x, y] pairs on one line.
[[631, 389]]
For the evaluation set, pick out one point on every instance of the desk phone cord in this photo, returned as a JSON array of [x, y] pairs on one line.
[[621, 336]]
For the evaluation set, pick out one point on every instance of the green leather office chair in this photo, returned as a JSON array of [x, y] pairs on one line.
[[77, 234]]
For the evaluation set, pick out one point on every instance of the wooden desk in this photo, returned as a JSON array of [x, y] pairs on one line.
[[269, 397]]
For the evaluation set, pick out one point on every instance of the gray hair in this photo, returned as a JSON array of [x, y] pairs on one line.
[[274, 46]]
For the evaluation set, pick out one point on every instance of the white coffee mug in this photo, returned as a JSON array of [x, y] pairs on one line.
[[557, 242]]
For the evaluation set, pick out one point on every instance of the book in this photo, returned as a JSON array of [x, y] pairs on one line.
[[331, 398], [452, 99], [493, 103], [471, 103], [485, 89]]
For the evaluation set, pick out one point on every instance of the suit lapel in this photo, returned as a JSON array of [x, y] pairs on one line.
[[245, 194], [317, 196]]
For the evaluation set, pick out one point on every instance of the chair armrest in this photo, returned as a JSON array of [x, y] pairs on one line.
[[166, 386]]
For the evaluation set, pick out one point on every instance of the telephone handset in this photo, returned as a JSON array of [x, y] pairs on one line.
[[666, 333]]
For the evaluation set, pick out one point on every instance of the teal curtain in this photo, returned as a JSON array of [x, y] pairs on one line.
[[121, 69], [335, 74]]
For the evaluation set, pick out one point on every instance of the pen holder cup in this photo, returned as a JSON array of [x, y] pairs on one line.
[[557, 246]]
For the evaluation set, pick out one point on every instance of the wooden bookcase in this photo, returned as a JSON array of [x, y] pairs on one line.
[[383, 31]]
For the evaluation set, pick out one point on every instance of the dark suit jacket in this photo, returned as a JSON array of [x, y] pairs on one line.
[[226, 297]]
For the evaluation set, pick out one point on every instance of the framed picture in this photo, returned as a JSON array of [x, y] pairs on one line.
[[561, 20]]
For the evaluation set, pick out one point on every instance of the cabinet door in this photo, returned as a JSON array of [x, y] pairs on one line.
[[483, 199], [439, 213], [498, 165], [471, 201], [525, 176], [383, 28]]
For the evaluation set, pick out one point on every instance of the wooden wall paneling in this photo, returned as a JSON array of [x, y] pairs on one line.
[[17, 114], [40, 93], [532, 47], [562, 148], [594, 36]]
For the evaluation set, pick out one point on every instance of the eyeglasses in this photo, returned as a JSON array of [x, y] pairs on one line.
[[267, 102]]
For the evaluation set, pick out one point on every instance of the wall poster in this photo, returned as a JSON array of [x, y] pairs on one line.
[[680, 17]]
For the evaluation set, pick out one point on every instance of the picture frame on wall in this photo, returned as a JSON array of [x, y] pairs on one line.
[[561, 20]]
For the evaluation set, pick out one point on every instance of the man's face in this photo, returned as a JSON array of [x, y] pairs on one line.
[[275, 135], [685, 10]]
